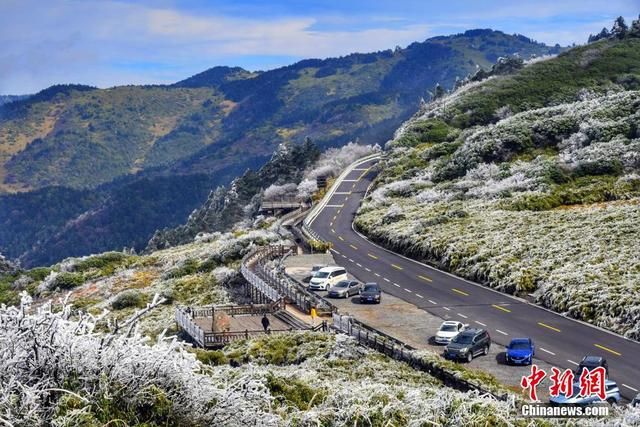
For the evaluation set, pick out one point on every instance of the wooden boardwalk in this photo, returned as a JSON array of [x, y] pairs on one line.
[[241, 323]]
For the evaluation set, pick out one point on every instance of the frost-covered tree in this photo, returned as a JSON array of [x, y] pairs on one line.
[[7, 266], [634, 31], [619, 28]]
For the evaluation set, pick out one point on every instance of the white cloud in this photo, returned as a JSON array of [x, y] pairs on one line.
[[81, 41]]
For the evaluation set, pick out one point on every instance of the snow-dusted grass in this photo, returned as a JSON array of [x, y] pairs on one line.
[[58, 371], [546, 201], [200, 273]]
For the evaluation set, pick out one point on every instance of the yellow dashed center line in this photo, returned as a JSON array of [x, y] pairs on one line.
[[544, 325], [335, 216], [331, 224], [506, 310], [397, 267], [458, 291], [354, 247], [340, 237], [425, 278], [333, 231], [601, 347], [372, 256]]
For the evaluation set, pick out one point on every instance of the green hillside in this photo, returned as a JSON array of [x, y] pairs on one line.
[[528, 183], [214, 124]]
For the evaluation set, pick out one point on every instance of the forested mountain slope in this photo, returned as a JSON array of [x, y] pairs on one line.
[[113, 144]]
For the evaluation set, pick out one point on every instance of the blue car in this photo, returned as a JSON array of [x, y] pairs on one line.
[[521, 351]]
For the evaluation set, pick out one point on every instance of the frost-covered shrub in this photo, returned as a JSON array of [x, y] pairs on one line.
[[128, 298], [306, 188], [277, 191], [335, 160], [547, 200]]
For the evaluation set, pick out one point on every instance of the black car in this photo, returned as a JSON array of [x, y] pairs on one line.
[[592, 362], [370, 293], [468, 344]]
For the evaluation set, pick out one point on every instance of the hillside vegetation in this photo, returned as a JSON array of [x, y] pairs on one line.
[[92, 342], [113, 147], [528, 183]]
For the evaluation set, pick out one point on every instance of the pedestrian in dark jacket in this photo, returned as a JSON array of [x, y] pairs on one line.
[[265, 323]]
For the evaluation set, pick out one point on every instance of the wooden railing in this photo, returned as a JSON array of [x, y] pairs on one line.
[[396, 349], [278, 285]]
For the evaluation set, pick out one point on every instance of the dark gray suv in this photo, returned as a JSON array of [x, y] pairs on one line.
[[468, 344]]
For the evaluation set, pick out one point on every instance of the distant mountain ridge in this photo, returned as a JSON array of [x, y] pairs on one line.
[[214, 124], [6, 99]]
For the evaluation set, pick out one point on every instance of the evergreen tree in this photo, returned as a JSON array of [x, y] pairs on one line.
[[634, 31], [620, 28], [438, 92], [604, 34]]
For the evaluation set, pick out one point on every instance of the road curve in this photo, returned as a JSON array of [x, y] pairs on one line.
[[559, 341]]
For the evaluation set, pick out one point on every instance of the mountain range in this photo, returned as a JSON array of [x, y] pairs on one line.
[[84, 170]]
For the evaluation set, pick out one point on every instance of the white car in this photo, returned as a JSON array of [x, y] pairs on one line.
[[327, 277], [448, 330]]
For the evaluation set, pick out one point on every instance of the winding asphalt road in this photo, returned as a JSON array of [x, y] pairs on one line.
[[559, 341]]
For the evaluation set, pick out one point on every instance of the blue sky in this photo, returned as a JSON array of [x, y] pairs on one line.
[[107, 43]]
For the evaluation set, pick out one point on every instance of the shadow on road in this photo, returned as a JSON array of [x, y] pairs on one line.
[[501, 358]]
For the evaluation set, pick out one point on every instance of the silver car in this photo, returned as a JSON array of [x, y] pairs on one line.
[[612, 394], [344, 289]]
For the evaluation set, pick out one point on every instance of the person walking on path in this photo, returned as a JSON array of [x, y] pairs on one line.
[[265, 323]]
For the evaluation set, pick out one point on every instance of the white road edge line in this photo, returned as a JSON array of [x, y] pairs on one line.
[[447, 308], [572, 362], [629, 387], [547, 351], [480, 323], [433, 302], [419, 296], [463, 316], [501, 332]]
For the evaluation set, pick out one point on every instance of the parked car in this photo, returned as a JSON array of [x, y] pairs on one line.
[[592, 362], [327, 277], [344, 289], [520, 351], [371, 292], [468, 344], [316, 268], [448, 330], [612, 393]]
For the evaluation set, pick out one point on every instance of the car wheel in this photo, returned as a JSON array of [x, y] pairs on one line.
[[469, 357], [485, 350]]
